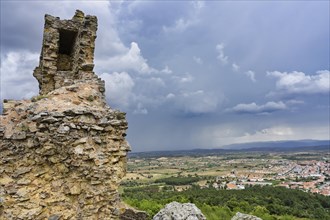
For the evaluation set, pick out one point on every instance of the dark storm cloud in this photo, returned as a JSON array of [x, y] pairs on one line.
[[21, 26], [186, 71]]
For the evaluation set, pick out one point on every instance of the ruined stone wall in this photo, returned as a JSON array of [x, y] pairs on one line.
[[63, 153], [67, 48]]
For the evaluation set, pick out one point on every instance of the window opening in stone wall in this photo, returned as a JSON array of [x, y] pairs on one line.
[[65, 52]]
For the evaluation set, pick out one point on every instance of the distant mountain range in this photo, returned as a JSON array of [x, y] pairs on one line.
[[271, 146], [279, 144]]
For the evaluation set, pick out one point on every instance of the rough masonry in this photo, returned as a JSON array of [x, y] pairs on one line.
[[67, 52], [63, 153]]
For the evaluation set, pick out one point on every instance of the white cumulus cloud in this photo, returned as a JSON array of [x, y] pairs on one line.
[[253, 108], [16, 75], [132, 59], [118, 88], [166, 70], [234, 132], [285, 132], [222, 57], [251, 75], [235, 67], [300, 83]]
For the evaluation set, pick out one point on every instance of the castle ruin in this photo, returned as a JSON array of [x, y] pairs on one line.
[[67, 51], [63, 153]]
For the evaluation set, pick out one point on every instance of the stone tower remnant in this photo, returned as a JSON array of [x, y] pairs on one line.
[[67, 51], [63, 153]]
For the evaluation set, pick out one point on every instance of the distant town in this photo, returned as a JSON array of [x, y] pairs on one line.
[[306, 171], [309, 176]]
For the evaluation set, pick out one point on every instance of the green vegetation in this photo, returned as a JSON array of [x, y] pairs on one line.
[[39, 97], [306, 179], [269, 203], [24, 127], [90, 98], [177, 181]]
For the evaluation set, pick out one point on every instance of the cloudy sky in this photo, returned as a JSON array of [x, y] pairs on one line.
[[193, 74]]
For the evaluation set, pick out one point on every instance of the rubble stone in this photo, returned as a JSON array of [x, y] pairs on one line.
[[180, 211], [129, 213], [242, 216]]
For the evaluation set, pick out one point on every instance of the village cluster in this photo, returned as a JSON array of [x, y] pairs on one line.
[[237, 172]]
